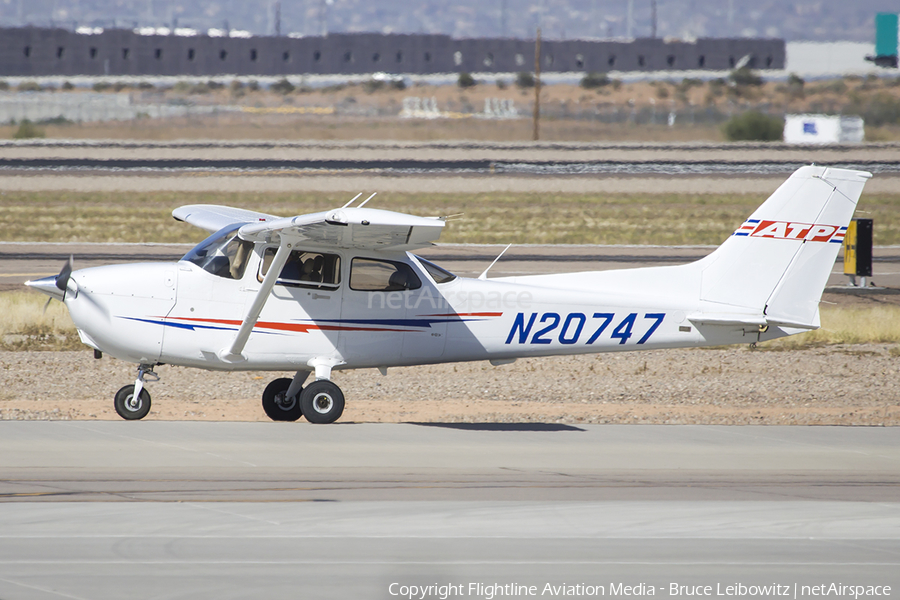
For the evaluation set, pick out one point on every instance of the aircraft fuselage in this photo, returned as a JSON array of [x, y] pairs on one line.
[[182, 314]]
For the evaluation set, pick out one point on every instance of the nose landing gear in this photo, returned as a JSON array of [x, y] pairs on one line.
[[132, 402]]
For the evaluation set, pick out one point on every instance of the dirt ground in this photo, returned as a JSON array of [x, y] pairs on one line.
[[832, 385]]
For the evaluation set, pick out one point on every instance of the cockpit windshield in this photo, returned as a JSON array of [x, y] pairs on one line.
[[437, 273], [223, 253]]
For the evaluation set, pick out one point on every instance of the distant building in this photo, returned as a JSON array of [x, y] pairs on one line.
[[114, 52]]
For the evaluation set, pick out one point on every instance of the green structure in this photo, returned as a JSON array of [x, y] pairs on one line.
[[885, 40]]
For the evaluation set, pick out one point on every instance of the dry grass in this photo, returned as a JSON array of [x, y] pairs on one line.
[[488, 218], [26, 326], [851, 325]]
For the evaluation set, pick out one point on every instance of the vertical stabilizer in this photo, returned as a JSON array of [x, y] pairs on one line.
[[777, 263]]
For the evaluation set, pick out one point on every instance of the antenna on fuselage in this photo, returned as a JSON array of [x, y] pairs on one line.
[[366, 200], [353, 200], [484, 275]]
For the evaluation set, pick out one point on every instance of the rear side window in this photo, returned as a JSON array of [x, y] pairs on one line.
[[370, 275], [439, 274], [306, 269]]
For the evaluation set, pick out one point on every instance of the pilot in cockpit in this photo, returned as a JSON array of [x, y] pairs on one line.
[[292, 268], [316, 274]]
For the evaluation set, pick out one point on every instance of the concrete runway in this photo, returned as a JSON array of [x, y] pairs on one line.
[[281, 510]]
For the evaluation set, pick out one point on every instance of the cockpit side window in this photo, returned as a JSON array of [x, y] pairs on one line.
[[370, 275], [437, 273], [305, 269], [222, 254]]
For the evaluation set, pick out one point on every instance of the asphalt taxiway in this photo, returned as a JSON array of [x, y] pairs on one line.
[[287, 510]]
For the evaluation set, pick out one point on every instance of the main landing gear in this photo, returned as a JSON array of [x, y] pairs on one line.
[[286, 400], [132, 402]]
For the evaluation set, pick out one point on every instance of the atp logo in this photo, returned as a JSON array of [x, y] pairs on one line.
[[786, 230]]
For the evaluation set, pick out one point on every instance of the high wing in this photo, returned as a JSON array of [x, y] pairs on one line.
[[362, 228], [213, 217]]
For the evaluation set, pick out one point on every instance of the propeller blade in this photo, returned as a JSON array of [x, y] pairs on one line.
[[49, 300], [62, 280]]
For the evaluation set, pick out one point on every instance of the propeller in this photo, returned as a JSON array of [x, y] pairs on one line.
[[62, 280]]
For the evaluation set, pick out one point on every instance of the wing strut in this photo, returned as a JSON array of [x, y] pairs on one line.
[[232, 354]]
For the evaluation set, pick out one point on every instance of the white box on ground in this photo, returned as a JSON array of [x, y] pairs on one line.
[[822, 129]]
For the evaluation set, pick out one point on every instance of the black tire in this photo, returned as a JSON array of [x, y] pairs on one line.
[[129, 409], [275, 406], [322, 402]]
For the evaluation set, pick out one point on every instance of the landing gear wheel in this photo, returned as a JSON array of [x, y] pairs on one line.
[[277, 407], [132, 408], [322, 402]]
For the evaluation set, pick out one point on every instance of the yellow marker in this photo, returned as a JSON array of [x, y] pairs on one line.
[[850, 249]]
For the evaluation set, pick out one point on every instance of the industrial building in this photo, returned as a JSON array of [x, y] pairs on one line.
[[39, 52]]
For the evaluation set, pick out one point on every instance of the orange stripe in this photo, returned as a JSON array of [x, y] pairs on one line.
[[299, 327]]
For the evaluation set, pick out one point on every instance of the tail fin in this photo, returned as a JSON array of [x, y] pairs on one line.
[[778, 261]]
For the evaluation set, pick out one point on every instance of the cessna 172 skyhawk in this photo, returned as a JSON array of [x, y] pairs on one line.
[[341, 289]]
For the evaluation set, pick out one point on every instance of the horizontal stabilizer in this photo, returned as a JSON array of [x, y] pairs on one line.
[[739, 320]]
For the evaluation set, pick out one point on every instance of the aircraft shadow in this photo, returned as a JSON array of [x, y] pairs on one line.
[[503, 426]]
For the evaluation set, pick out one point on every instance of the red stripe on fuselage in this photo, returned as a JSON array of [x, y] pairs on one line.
[[478, 314], [298, 327]]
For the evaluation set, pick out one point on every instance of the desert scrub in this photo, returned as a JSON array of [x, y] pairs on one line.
[[27, 326], [753, 126]]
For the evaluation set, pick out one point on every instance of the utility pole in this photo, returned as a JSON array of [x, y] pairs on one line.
[[629, 20], [730, 19], [537, 86], [653, 18], [503, 18], [278, 18], [323, 18]]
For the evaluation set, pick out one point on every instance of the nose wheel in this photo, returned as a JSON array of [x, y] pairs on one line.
[[132, 402], [132, 406]]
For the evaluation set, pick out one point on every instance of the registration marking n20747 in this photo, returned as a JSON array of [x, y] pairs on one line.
[[549, 327]]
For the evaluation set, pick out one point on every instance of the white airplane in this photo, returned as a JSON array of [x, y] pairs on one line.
[[341, 289]]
